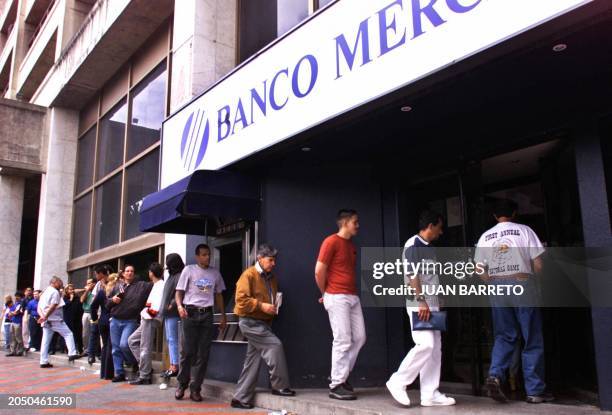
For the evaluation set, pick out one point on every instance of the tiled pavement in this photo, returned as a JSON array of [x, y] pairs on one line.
[[19, 375]]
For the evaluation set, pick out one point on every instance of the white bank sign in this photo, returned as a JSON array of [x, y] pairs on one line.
[[352, 53]]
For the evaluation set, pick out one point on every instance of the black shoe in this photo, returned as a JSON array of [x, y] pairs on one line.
[[348, 386], [283, 392], [52, 352], [141, 381], [195, 396], [241, 405], [18, 354], [46, 365], [91, 360], [495, 390], [169, 374], [341, 393], [180, 392], [135, 368], [74, 357], [10, 354], [544, 397], [119, 378]]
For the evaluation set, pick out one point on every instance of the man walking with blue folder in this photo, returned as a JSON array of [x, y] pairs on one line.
[[425, 358]]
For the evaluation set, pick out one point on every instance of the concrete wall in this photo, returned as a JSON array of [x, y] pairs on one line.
[[21, 136], [11, 209], [57, 187]]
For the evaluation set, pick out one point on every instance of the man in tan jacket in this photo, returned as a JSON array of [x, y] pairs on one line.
[[256, 306]]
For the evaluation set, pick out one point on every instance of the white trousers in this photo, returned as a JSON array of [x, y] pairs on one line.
[[348, 328], [85, 323], [60, 328], [424, 359]]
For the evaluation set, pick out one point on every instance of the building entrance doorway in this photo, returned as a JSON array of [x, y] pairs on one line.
[[541, 179]]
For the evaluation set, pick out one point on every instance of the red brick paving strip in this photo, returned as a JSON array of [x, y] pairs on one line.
[[99, 411]]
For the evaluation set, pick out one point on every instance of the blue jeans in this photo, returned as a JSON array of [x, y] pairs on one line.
[[120, 331], [7, 335], [511, 320], [171, 327]]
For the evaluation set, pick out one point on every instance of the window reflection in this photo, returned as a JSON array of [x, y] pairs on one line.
[[80, 227], [142, 179], [148, 111], [85, 160], [108, 207], [110, 143]]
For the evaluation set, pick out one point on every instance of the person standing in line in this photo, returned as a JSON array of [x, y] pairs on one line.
[[142, 340], [86, 300], [35, 329], [425, 358], [93, 347], [6, 321], [28, 295], [335, 278], [100, 318], [72, 315], [127, 300], [512, 253], [199, 287], [256, 292], [16, 314], [52, 320], [169, 312]]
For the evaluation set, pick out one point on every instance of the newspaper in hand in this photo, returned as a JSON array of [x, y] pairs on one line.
[[278, 301]]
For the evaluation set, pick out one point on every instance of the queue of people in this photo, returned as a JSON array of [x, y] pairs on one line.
[[120, 316]]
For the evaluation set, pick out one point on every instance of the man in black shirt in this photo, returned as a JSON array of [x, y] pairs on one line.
[[125, 304]]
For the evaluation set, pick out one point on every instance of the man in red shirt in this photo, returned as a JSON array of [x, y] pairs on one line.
[[335, 276]]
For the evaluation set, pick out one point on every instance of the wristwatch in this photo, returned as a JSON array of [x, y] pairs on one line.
[[420, 297]]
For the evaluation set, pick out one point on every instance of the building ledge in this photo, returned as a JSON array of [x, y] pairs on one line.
[[112, 32], [21, 137]]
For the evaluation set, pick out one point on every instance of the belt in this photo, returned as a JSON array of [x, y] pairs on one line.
[[198, 309]]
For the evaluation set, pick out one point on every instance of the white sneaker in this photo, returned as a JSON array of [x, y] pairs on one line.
[[399, 393], [439, 399], [32, 349]]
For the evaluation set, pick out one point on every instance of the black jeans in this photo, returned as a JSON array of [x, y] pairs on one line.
[[35, 333], [197, 337]]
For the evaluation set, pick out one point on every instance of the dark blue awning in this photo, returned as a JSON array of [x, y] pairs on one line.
[[198, 203]]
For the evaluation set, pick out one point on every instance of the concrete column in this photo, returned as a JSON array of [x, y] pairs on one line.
[[203, 50], [57, 187], [203, 46], [11, 211], [597, 233]]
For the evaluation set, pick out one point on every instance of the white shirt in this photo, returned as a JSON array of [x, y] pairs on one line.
[[49, 297], [508, 248], [154, 300]]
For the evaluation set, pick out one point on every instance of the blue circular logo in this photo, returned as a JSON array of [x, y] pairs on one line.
[[194, 140]]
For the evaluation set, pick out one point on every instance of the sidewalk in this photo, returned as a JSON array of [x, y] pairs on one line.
[[108, 398]]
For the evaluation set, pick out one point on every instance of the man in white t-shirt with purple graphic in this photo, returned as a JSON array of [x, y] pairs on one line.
[[512, 255]]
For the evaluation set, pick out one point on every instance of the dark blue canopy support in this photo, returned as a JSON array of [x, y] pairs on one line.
[[198, 203]]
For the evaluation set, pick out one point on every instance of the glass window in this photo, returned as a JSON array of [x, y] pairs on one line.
[[110, 142], [258, 26], [141, 262], [78, 277], [323, 3], [85, 160], [80, 227], [148, 111], [290, 13], [141, 179], [108, 207]]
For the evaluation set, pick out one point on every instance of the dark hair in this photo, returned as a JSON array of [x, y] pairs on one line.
[[129, 265], [101, 269], [344, 214], [505, 207], [175, 263], [202, 246], [429, 217], [157, 270], [109, 269], [37, 291], [266, 250], [18, 294]]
